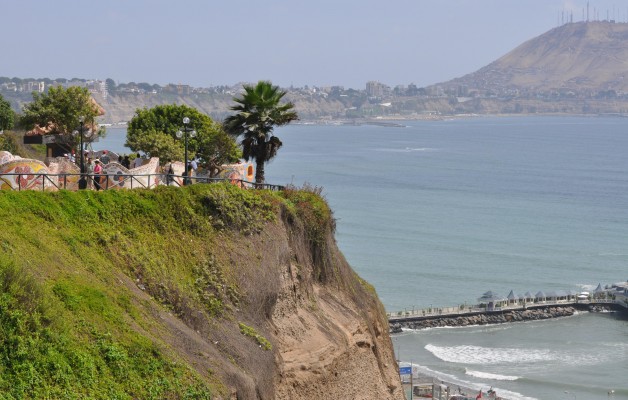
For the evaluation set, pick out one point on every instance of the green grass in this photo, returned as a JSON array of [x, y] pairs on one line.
[[252, 333], [57, 344], [70, 328]]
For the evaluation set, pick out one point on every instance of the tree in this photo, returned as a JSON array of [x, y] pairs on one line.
[[258, 112], [58, 112], [110, 85], [7, 116], [153, 132]]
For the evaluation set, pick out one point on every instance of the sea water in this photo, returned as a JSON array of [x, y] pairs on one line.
[[435, 213]]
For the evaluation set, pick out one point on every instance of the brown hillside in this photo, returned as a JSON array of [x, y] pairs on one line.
[[591, 55]]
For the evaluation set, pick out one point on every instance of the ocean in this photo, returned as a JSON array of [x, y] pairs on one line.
[[435, 213]]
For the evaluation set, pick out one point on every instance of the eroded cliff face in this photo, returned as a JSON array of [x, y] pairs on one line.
[[330, 328]]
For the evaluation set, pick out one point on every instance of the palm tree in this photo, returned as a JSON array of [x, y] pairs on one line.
[[258, 112]]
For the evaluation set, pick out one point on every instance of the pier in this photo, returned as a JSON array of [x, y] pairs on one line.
[[496, 309]]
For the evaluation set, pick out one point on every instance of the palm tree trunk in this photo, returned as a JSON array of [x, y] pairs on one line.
[[259, 170]]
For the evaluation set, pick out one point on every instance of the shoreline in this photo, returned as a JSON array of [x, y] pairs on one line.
[[441, 117], [421, 376], [470, 390]]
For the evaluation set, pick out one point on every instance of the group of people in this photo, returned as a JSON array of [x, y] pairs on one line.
[[95, 167], [168, 169]]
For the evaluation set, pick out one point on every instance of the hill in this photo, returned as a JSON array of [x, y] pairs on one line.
[[208, 291], [584, 56]]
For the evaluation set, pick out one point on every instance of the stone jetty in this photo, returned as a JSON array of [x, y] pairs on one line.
[[496, 317]]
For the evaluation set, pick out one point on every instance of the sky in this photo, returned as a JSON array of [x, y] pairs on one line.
[[289, 42]]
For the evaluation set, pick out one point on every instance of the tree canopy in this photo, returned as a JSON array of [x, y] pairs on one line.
[[7, 115], [258, 112], [153, 131], [59, 109], [58, 112]]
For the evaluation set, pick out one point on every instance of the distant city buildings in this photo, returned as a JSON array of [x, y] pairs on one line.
[[377, 90]]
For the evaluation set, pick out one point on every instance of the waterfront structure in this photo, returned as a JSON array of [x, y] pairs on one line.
[[613, 297]]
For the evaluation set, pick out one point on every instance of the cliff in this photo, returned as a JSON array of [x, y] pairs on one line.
[[121, 106], [208, 291]]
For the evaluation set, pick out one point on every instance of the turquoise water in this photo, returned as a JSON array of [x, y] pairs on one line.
[[440, 212], [437, 213]]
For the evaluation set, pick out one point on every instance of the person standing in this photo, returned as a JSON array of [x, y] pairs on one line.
[[138, 161], [192, 170], [89, 168], [97, 173], [170, 173], [105, 157]]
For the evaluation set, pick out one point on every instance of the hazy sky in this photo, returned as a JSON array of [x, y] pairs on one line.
[[290, 42]]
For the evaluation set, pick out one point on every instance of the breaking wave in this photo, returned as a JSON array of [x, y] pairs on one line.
[[486, 375], [483, 355]]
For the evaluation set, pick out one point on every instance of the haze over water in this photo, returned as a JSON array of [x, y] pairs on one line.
[[437, 213]]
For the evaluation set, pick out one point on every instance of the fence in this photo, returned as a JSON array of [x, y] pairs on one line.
[[45, 181]]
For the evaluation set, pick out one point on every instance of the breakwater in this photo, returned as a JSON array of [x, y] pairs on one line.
[[513, 314]]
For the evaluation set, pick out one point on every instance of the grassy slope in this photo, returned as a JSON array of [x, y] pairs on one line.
[[71, 325]]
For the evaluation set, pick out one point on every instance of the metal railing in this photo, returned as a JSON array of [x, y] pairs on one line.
[[46, 181]]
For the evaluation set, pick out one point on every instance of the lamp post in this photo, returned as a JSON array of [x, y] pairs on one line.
[[83, 181], [192, 133]]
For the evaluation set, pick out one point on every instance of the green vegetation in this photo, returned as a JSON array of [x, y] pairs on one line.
[[250, 332], [57, 344], [9, 142], [72, 324], [153, 131], [59, 110], [7, 116], [307, 205], [258, 112]]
